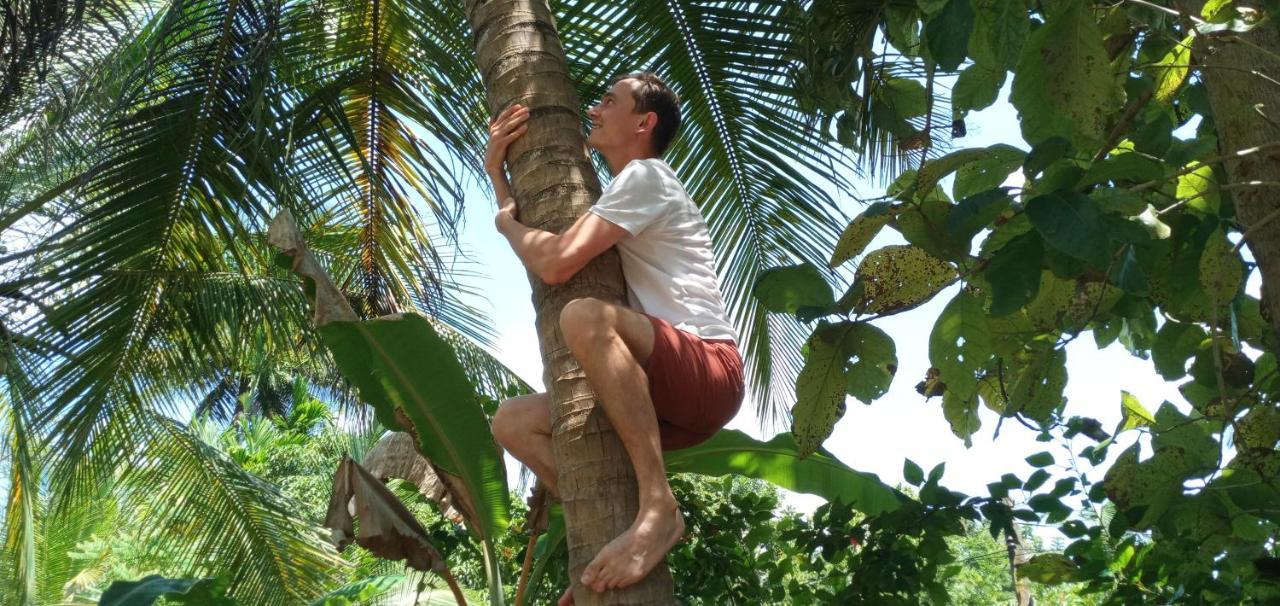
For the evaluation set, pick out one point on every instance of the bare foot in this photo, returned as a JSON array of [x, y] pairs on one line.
[[628, 558], [567, 598]]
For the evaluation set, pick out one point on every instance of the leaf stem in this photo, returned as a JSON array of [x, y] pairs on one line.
[[1194, 167]]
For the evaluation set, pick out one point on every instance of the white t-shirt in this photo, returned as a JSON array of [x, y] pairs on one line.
[[667, 258]]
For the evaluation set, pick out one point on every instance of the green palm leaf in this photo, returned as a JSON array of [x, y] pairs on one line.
[[762, 177], [248, 528], [778, 461]]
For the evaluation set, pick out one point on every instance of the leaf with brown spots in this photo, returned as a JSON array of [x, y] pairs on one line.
[[897, 278]]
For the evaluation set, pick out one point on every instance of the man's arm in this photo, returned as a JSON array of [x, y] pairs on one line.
[[553, 258], [556, 258]]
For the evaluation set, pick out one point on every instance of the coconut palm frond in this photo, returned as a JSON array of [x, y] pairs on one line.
[[765, 180], [247, 527]]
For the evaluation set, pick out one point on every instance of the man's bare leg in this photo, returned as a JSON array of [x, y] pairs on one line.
[[522, 426], [612, 343]]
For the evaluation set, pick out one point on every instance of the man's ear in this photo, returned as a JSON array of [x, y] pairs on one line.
[[647, 122]]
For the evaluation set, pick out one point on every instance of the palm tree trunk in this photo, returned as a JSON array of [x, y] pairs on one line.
[[1246, 112], [522, 60]]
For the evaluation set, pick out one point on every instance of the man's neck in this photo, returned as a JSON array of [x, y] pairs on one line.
[[619, 160]]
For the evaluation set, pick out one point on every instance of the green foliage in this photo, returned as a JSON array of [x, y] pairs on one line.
[[847, 358], [1063, 84], [790, 289], [781, 462], [402, 366], [1125, 228], [144, 592]]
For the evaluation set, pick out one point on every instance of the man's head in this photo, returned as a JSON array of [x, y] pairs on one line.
[[639, 111]]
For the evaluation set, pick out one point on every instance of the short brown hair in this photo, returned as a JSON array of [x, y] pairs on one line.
[[653, 95]]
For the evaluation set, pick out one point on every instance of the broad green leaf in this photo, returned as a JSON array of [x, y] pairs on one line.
[[1045, 153], [1089, 300], [930, 7], [362, 591], [989, 172], [960, 345], [873, 362], [924, 224], [1217, 11], [1066, 173], [1000, 29], [552, 541], [1036, 480], [1014, 274], [1050, 569], [976, 212], [860, 231], [962, 414], [145, 591], [783, 463], [1071, 223], [902, 28], [993, 393], [1129, 275], [1221, 269], [1172, 70], [1185, 440], [1146, 488], [1048, 311], [1119, 201], [898, 277], [934, 170], [947, 34], [400, 364], [1064, 85], [1200, 190], [821, 387], [977, 88], [1130, 168], [1154, 135], [1039, 380], [1040, 459], [1260, 428], [905, 96], [1133, 414], [1175, 343], [912, 473], [786, 289]]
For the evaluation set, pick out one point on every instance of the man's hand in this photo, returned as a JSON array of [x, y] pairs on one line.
[[503, 129]]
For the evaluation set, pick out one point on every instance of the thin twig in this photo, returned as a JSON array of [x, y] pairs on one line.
[[1167, 10], [1125, 122], [1192, 168], [1253, 229], [1217, 188], [524, 570]]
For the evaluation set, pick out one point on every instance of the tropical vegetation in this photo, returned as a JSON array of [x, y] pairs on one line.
[[164, 373]]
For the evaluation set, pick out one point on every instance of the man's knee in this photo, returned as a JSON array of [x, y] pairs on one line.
[[507, 424], [584, 319], [520, 417]]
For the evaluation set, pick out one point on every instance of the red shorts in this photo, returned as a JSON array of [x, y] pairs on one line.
[[696, 384]]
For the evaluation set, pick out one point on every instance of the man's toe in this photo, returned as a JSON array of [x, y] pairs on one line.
[[567, 598]]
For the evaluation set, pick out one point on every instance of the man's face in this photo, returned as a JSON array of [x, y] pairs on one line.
[[614, 122]]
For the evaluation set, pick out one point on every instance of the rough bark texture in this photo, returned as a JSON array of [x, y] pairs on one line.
[[521, 60], [1246, 111]]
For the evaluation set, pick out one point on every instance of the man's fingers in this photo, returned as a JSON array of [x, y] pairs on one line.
[[511, 136]]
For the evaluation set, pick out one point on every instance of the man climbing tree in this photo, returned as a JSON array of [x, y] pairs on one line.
[[666, 366]]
